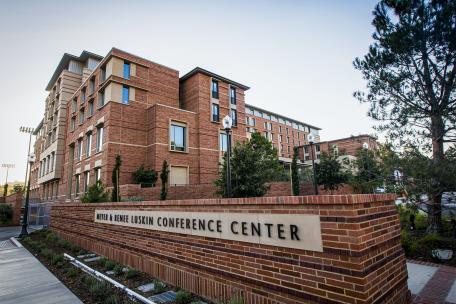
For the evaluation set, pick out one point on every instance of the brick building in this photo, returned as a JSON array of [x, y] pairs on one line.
[[99, 107]]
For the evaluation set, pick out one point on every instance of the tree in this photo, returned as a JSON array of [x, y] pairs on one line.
[[253, 164], [367, 174], [95, 194], [164, 179], [115, 195], [145, 177], [294, 172], [410, 71], [5, 189], [17, 188], [329, 172]]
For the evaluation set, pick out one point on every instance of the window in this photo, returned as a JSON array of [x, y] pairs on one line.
[[101, 99], [77, 181], [178, 137], [74, 104], [317, 148], [215, 89], [81, 116], [286, 130], [52, 161], [126, 70], [99, 139], [89, 144], [102, 74], [125, 94], [90, 109], [86, 180], [223, 142], [234, 117], [91, 85], [79, 152], [83, 95], [280, 129], [335, 149], [233, 95], [97, 174], [72, 123], [215, 112], [280, 138], [288, 140], [178, 175]]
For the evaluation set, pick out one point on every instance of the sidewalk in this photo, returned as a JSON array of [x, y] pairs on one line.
[[24, 280], [431, 283]]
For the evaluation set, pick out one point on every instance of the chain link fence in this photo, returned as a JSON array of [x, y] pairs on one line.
[[39, 213]]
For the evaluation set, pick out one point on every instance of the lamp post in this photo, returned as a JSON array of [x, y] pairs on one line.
[[311, 139], [30, 132], [24, 232], [227, 123], [7, 166]]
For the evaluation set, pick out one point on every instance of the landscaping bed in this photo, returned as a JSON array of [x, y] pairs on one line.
[[49, 249]]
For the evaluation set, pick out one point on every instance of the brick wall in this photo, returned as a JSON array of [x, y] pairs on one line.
[[15, 200], [362, 259]]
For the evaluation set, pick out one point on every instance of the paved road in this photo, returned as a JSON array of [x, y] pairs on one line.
[[8, 232], [24, 280]]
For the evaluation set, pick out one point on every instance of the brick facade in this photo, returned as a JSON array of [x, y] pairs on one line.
[[362, 259]]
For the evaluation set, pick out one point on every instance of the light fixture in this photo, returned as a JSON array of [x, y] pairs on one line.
[[227, 122]]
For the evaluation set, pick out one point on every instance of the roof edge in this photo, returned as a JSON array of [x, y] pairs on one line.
[[211, 74]]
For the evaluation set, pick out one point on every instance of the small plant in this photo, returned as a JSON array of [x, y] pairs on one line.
[[99, 290], [47, 253], [56, 258], [88, 280], [52, 237], [109, 265], [237, 299], [145, 177], [164, 179], [96, 194], [159, 287], [131, 273], [112, 299], [118, 269], [72, 273], [6, 213], [183, 297]]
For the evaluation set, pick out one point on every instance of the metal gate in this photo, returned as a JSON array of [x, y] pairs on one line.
[[39, 213]]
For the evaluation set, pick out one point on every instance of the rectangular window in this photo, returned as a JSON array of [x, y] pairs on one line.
[[178, 175], [223, 142], [86, 180], [99, 138], [233, 95], [77, 181], [79, 154], [97, 174], [92, 85], [215, 112], [102, 74], [81, 116], [72, 123], [89, 145], [83, 95], [280, 129], [125, 94], [177, 136], [90, 109], [280, 138], [234, 117], [215, 89], [126, 70], [101, 99], [74, 104]]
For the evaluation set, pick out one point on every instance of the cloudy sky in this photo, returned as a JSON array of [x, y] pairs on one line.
[[295, 55]]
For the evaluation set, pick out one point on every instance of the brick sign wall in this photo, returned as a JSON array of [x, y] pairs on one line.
[[360, 259]]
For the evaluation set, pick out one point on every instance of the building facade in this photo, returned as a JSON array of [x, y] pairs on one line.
[[122, 104]]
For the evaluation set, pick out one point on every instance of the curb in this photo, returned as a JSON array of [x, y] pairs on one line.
[[16, 242]]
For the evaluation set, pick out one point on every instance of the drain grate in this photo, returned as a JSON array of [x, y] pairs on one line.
[[166, 297]]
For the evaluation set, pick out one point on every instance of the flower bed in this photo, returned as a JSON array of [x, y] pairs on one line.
[[49, 249]]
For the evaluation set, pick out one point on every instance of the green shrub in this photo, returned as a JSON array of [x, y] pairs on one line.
[[131, 273], [47, 253], [145, 177], [52, 237], [96, 194], [421, 221], [73, 272], [183, 297], [74, 248], [6, 213], [109, 265], [118, 269], [88, 280], [56, 258], [112, 299], [99, 290], [159, 287]]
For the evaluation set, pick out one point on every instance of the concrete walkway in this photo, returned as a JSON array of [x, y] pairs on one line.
[[431, 283], [24, 280]]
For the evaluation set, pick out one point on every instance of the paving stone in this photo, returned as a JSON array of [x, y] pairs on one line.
[[146, 287], [419, 275], [166, 297], [92, 259]]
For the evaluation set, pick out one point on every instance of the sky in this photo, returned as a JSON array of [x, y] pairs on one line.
[[296, 56]]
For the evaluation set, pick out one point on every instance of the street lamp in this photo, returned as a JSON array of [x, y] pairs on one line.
[[7, 166], [24, 232], [311, 140], [30, 132], [227, 123]]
